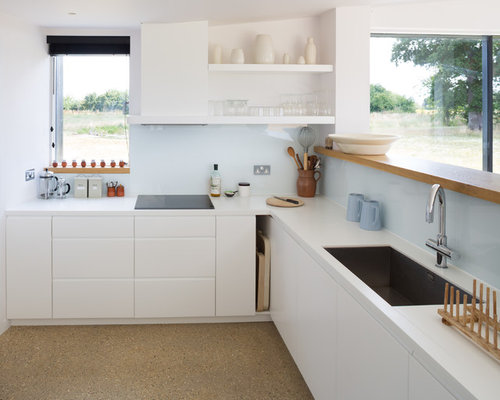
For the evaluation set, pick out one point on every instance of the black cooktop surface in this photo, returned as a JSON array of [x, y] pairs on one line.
[[173, 202]]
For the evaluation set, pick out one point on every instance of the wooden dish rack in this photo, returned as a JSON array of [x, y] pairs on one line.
[[476, 322]]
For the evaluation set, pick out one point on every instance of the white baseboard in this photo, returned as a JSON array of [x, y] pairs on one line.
[[259, 317]]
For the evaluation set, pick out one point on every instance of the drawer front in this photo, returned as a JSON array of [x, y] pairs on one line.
[[157, 298], [93, 258], [93, 298], [167, 227], [175, 258], [93, 227]]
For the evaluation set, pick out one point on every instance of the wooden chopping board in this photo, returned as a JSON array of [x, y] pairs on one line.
[[280, 203]]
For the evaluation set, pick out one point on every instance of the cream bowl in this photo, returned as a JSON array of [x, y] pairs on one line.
[[364, 144]]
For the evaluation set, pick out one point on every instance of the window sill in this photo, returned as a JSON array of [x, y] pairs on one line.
[[480, 184], [90, 170]]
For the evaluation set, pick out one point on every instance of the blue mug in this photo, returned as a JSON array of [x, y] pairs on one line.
[[371, 219], [354, 203]]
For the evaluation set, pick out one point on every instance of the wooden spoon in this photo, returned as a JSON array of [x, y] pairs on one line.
[[291, 153]]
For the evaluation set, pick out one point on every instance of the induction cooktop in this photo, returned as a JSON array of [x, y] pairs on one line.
[[173, 202]]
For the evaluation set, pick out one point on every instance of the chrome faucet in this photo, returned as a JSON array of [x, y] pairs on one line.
[[440, 244]]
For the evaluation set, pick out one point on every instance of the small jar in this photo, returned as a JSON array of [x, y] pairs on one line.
[[83, 163], [64, 163], [120, 191], [74, 163], [54, 164], [93, 164], [113, 164], [103, 163], [244, 189], [121, 163], [111, 191]]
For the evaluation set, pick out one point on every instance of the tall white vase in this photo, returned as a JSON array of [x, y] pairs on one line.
[[310, 51], [264, 52]]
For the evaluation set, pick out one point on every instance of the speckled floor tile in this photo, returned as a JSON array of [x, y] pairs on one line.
[[153, 362]]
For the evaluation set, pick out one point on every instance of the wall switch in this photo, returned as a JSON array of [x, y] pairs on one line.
[[262, 170], [29, 174]]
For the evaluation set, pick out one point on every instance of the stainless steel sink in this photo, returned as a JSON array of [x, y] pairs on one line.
[[393, 276]]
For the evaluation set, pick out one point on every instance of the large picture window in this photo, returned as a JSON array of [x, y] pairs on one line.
[[430, 91]]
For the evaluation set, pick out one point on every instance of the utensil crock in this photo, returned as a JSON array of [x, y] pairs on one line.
[[306, 182]]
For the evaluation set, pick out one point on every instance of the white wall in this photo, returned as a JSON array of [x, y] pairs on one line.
[[24, 100]]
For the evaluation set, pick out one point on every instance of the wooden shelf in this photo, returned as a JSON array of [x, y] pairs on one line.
[[230, 120], [316, 68], [480, 184], [90, 170]]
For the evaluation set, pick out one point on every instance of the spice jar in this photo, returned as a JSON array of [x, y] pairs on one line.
[[93, 164], [120, 191], [122, 163], [113, 164], [74, 163], [83, 163], [103, 163], [54, 163], [64, 163]]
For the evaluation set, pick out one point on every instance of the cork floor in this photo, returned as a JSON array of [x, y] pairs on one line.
[[153, 362]]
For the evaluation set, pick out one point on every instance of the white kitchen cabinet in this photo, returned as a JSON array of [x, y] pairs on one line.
[[93, 267], [303, 308], [93, 298], [157, 298], [235, 267], [174, 69], [371, 364], [29, 267], [423, 386], [175, 257], [174, 266]]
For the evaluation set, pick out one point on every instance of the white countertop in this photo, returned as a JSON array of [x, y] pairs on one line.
[[451, 358]]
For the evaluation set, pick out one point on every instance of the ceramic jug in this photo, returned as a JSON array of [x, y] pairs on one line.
[[306, 182], [264, 52]]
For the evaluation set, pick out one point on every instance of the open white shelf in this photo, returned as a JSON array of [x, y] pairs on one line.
[[316, 68], [229, 120]]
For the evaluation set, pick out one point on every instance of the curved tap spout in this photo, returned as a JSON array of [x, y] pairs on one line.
[[440, 245]]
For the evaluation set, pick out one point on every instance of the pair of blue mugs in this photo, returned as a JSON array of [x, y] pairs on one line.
[[366, 212]]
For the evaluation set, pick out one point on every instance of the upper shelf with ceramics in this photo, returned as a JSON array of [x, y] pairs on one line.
[[196, 74]]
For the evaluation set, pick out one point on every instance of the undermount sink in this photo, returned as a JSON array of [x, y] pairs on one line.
[[393, 276]]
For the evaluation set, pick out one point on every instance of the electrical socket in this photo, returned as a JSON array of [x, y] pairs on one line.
[[262, 170], [29, 174]]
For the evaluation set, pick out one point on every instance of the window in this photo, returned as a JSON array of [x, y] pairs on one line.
[[429, 90], [90, 93]]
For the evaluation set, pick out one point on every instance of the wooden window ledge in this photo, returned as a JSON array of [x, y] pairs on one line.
[[475, 183], [90, 170]]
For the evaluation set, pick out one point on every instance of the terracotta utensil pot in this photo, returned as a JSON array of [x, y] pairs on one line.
[[306, 183]]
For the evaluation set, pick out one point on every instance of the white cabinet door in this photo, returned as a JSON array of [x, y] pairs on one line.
[[94, 298], [174, 69], [235, 270], [371, 363], [423, 386], [163, 298], [175, 258], [93, 258], [93, 227], [316, 317], [29, 267], [174, 227], [303, 308]]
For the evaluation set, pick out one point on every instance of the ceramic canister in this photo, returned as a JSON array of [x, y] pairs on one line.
[[237, 56], [264, 52]]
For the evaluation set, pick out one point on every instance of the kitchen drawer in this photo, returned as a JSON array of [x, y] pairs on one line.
[[156, 298], [166, 227], [93, 298], [175, 258], [92, 227], [93, 258]]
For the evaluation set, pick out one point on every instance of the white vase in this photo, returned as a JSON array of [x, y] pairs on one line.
[[264, 52], [237, 56], [310, 51], [217, 55], [301, 60], [286, 58]]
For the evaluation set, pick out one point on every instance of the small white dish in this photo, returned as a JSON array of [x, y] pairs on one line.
[[364, 144]]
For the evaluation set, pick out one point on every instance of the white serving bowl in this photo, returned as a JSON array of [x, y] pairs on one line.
[[364, 143]]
